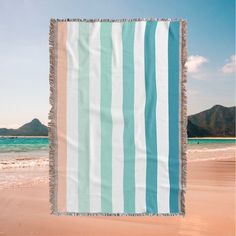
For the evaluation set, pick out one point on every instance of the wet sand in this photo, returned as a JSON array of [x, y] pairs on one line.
[[210, 206]]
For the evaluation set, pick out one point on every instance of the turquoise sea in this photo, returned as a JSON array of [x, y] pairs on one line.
[[211, 140], [23, 144], [12, 147], [33, 144]]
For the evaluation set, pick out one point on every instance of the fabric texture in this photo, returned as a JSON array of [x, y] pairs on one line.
[[118, 119]]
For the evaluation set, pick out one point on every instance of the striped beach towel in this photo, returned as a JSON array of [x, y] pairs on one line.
[[117, 124]]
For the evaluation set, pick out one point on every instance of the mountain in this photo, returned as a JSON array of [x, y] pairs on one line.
[[195, 131], [33, 128], [218, 121]]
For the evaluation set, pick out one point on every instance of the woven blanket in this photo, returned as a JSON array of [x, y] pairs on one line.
[[117, 124]]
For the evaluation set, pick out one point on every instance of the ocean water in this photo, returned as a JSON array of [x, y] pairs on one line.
[[23, 147], [211, 141], [39, 146], [24, 160]]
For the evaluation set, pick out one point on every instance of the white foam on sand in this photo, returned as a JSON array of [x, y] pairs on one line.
[[23, 162], [23, 171], [210, 152], [29, 169]]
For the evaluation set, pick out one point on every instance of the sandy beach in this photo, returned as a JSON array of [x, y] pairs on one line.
[[210, 206]]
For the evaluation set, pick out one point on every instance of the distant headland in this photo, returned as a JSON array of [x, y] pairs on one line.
[[218, 121], [33, 128]]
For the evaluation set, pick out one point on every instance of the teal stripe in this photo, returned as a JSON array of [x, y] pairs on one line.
[[173, 97], [150, 117], [128, 112], [83, 118], [106, 118]]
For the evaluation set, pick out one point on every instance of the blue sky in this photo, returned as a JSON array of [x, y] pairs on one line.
[[24, 62]]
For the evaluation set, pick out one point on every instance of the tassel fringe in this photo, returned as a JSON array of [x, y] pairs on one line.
[[52, 124], [184, 119]]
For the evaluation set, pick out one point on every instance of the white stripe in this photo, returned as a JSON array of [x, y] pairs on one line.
[[139, 118], [162, 119], [94, 114], [72, 118], [117, 119]]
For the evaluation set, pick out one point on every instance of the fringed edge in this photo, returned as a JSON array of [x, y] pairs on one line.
[[183, 114], [116, 214], [115, 20], [52, 118], [52, 129]]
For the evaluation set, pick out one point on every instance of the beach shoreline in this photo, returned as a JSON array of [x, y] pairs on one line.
[[212, 138], [19, 136], [210, 206], [46, 136]]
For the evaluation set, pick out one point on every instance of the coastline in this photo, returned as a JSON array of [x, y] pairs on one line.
[[25, 210], [19, 136], [46, 136], [213, 138], [210, 195]]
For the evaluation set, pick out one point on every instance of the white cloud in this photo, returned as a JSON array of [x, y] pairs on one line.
[[230, 66], [195, 62]]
